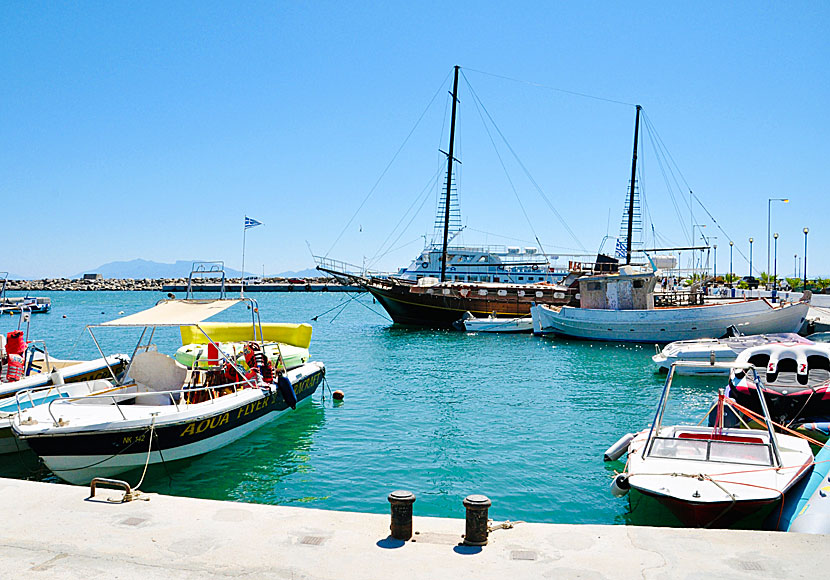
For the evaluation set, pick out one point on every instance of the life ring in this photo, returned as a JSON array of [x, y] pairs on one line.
[[534, 267], [424, 264]]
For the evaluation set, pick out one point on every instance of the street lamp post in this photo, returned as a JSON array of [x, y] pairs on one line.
[[715, 265], [769, 206], [775, 266], [806, 231], [750, 255], [731, 243]]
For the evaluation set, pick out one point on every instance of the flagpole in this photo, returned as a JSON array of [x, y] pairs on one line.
[[242, 280]]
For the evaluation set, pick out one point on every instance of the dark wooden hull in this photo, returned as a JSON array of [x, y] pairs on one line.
[[415, 306]]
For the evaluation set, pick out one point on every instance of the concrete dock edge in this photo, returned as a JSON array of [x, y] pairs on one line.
[[56, 531]]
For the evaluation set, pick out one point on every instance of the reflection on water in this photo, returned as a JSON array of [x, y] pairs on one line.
[[257, 468], [444, 414]]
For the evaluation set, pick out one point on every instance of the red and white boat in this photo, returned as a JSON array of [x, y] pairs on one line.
[[712, 476]]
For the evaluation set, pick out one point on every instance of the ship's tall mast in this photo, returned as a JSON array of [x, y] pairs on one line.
[[631, 192], [449, 176]]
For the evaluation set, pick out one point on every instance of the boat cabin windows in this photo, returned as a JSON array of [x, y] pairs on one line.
[[593, 286], [639, 283], [727, 449]]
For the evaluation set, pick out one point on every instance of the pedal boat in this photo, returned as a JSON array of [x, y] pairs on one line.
[[795, 382], [161, 411]]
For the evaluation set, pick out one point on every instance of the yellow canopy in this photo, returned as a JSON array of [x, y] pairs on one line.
[[293, 334]]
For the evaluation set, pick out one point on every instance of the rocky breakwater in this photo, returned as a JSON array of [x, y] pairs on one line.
[[162, 284], [76, 284]]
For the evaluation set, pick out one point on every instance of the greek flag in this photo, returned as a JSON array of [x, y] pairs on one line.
[[620, 253], [251, 223]]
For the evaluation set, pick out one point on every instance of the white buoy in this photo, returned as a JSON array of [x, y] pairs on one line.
[[56, 377], [619, 448], [620, 485]]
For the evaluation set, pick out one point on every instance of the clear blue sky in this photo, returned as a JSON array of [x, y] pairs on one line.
[[150, 129]]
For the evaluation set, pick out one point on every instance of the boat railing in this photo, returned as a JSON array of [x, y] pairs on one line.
[[338, 267], [178, 397], [678, 298], [202, 270]]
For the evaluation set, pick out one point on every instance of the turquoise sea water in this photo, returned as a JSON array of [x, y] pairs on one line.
[[521, 419]]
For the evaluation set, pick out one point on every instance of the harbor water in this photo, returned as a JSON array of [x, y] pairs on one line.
[[522, 419]]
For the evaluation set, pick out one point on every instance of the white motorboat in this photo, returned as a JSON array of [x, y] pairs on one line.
[[470, 323], [161, 411], [716, 350], [711, 476], [621, 307]]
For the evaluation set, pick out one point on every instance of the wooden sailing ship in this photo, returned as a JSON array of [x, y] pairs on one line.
[[438, 302]]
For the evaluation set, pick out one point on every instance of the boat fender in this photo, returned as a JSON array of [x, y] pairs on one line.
[[620, 485], [287, 391], [56, 378], [619, 448]]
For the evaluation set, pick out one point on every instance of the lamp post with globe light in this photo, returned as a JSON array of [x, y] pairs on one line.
[[769, 207], [775, 264], [806, 231]]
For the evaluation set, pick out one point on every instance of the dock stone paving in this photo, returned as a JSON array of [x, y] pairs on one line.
[[57, 531]]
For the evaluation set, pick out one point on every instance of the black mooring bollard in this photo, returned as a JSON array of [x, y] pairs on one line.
[[477, 506], [401, 505]]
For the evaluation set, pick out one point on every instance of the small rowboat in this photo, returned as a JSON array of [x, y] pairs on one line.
[[470, 323]]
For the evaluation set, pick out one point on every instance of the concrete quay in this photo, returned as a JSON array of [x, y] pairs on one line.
[[57, 531]]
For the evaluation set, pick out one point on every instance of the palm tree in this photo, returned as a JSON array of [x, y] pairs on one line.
[[794, 283]]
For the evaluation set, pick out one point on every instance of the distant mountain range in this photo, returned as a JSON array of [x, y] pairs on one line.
[[139, 268]]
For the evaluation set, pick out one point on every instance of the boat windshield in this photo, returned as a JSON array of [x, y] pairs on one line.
[[750, 453]]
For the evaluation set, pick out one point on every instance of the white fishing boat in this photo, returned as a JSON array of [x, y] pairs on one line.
[[160, 411], [621, 307], [716, 350], [711, 476], [470, 323]]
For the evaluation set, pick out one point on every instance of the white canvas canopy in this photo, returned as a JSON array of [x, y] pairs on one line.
[[175, 313]]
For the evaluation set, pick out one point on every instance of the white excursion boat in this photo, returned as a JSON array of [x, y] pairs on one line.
[[160, 411], [621, 307], [470, 323], [711, 476], [716, 350]]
